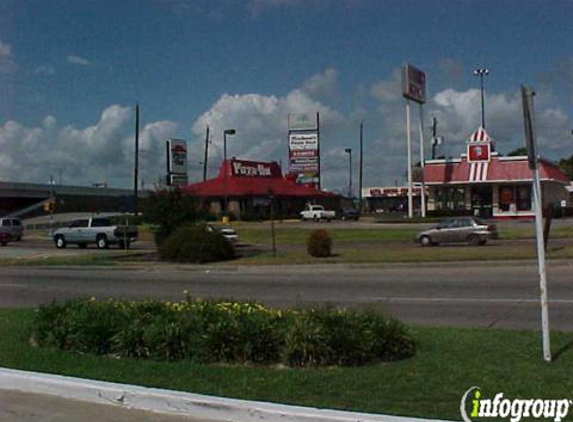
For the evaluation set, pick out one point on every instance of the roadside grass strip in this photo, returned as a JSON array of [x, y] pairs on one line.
[[431, 384]]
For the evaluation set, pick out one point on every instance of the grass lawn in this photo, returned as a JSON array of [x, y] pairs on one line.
[[261, 234], [429, 385], [374, 254]]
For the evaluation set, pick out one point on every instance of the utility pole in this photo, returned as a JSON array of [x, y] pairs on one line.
[[136, 159], [206, 158], [361, 166], [349, 152]]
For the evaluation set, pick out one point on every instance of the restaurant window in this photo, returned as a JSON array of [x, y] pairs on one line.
[[505, 198], [450, 199], [523, 198]]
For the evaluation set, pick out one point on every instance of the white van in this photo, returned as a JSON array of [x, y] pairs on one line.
[[13, 226]]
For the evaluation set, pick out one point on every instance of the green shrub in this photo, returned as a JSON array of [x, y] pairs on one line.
[[168, 210], [196, 244], [319, 244], [223, 331]]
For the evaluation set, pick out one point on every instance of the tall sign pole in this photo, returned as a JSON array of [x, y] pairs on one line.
[[136, 170], [423, 187], [529, 122], [409, 147], [414, 88], [361, 166]]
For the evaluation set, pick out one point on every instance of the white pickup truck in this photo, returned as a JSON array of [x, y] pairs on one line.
[[95, 230], [317, 213]]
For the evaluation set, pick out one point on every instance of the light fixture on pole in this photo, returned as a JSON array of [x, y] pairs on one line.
[[225, 133], [349, 152], [481, 73]]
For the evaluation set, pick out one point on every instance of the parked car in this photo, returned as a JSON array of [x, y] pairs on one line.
[[5, 237], [349, 214], [13, 226], [228, 233], [95, 230], [460, 229], [317, 213]]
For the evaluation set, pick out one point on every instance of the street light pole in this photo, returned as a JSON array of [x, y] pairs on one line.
[[349, 152], [481, 73]]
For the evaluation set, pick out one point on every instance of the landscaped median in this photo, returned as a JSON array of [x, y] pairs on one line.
[[429, 384]]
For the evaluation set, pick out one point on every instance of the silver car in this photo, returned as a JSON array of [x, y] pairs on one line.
[[459, 229]]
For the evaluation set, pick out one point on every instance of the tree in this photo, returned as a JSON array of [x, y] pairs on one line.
[[517, 152], [566, 166], [169, 210]]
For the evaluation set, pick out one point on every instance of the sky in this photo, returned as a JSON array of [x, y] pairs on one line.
[[71, 72]]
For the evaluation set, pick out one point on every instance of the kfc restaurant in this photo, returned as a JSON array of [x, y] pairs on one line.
[[249, 187], [483, 183]]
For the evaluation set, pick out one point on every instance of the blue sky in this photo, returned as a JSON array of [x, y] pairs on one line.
[[71, 71]]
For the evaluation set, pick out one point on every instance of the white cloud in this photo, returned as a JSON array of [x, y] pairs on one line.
[[7, 63], [45, 69], [260, 122], [97, 153], [78, 60]]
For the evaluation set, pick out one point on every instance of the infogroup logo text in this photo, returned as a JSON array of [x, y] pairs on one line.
[[512, 409]]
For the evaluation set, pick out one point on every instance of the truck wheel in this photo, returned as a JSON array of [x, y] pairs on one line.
[[316, 218], [123, 245], [3, 243], [101, 241], [60, 242]]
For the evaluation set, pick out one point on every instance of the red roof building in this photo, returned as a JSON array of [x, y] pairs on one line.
[[483, 183], [243, 186]]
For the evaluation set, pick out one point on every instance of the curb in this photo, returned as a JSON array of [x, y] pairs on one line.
[[177, 403]]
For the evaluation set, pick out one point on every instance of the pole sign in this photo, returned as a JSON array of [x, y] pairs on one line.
[[176, 162], [304, 148], [413, 84], [302, 121], [527, 100]]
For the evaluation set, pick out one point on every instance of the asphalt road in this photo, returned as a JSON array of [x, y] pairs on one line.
[[464, 294]]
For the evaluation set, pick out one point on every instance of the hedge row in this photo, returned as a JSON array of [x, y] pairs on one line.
[[222, 332]]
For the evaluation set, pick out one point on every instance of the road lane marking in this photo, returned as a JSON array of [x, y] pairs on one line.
[[454, 299]]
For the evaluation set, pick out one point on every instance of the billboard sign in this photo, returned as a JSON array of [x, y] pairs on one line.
[[177, 180], [529, 122], [177, 156], [413, 84], [303, 121], [303, 157]]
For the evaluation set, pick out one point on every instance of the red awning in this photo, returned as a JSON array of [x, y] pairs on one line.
[[249, 178]]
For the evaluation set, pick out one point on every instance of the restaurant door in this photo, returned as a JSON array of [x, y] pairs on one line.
[[482, 201]]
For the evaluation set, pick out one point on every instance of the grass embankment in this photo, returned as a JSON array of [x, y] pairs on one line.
[[449, 361]]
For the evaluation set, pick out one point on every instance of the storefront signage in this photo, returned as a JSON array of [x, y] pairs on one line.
[[303, 121], [413, 84], [304, 157], [250, 169], [176, 162], [479, 152]]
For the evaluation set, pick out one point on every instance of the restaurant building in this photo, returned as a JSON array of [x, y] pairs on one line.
[[249, 187], [482, 182]]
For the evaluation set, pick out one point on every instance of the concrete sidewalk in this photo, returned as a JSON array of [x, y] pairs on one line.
[[17, 406], [32, 396]]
